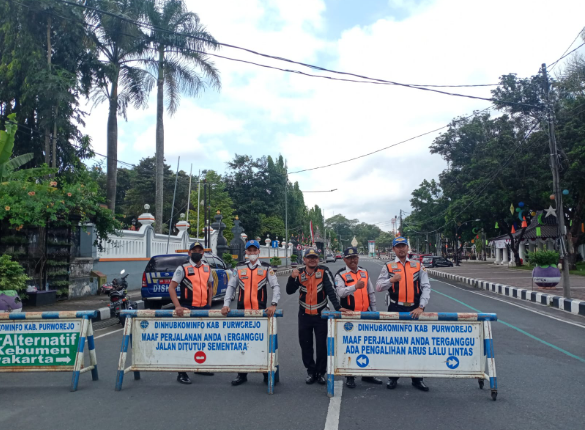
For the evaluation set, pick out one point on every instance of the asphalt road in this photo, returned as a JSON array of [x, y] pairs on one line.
[[540, 361]]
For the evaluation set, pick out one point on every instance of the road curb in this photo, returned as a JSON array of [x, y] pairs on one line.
[[103, 314], [573, 306]]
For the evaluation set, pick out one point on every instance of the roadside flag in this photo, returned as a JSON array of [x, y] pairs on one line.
[[497, 226], [538, 231], [512, 208]]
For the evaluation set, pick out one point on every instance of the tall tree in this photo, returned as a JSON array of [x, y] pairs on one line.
[[178, 41], [122, 44]]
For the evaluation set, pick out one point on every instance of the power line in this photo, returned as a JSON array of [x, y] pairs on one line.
[[566, 55], [387, 82], [552, 65], [383, 149]]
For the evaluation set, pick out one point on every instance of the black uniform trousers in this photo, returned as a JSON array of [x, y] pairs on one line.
[[309, 325], [395, 307]]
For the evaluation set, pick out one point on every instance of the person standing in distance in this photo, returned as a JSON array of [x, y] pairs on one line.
[[356, 293], [409, 290], [316, 285], [251, 278], [194, 280]]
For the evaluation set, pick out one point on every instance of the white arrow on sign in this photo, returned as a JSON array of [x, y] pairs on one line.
[[362, 361], [63, 360]]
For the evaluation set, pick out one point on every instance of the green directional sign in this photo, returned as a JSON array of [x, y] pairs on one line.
[[25, 344]]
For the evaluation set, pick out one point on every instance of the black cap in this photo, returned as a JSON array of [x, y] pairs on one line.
[[195, 244], [351, 251]]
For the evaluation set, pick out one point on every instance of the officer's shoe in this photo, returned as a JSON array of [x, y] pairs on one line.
[[240, 379], [321, 379], [372, 380], [350, 382], [392, 384], [420, 385], [183, 378], [204, 373], [311, 379]]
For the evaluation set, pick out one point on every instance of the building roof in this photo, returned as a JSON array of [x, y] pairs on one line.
[[548, 228]]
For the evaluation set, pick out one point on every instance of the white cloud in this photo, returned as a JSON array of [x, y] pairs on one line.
[[314, 122]]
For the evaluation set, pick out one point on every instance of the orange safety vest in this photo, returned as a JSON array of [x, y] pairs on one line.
[[359, 300], [252, 286], [407, 290], [194, 285], [312, 295]]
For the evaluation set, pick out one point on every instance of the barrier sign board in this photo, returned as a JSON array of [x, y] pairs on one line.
[[200, 341], [47, 342], [440, 345]]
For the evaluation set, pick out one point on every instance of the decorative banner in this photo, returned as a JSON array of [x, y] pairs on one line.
[[513, 229], [497, 226], [540, 219], [537, 231], [511, 208], [533, 213], [472, 240], [550, 211], [486, 242], [524, 223]]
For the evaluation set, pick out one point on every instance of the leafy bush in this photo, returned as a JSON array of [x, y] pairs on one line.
[[275, 261], [12, 276], [294, 258], [229, 260], [544, 258]]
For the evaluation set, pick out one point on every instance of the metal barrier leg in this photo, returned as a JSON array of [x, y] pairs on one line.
[[330, 357], [123, 353], [490, 358], [92, 355], [272, 348], [79, 356], [136, 374]]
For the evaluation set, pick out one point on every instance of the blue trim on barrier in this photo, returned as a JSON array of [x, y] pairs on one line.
[[75, 380], [234, 313], [81, 348], [50, 315], [272, 344], [330, 346], [489, 348], [91, 347], [276, 342], [120, 375], [493, 383], [405, 316], [330, 385]]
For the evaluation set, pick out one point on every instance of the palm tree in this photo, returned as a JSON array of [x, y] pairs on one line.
[[122, 82], [178, 42]]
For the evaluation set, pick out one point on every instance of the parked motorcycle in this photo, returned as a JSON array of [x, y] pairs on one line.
[[118, 299], [115, 285]]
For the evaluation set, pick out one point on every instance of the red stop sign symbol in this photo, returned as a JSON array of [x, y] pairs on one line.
[[200, 357]]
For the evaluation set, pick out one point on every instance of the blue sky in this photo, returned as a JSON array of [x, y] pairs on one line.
[[313, 122]]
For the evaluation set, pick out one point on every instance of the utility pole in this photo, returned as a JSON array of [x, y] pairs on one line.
[[554, 165], [427, 247], [173, 206], [400, 230], [189, 193], [198, 202], [286, 216]]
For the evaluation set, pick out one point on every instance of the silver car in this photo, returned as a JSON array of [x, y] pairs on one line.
[[330, 258]]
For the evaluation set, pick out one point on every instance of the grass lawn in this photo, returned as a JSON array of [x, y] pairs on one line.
[[580, 268]]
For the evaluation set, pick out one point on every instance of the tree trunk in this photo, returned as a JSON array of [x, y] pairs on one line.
[[55, 137], [112, 163], [160, 144], [47, 132]]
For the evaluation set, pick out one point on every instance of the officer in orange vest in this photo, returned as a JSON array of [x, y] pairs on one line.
[[408, 290], [251, 279], [356, 292], [195, 282], [316, 286]]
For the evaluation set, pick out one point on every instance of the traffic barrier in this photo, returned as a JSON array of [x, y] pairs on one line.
[[200, 341], [436, 345], [35, 342]]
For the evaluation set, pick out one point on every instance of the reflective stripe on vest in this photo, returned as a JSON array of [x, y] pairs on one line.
[[252, 284], [194, 285], [407, 290], [361, 298], [312, 297]]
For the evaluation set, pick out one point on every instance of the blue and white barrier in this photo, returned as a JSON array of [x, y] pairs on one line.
[[48, 342], [244, 341], [394, 344]]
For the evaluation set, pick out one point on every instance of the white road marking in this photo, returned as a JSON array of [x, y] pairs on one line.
[[107, 334], [332, 422], [513, 304]]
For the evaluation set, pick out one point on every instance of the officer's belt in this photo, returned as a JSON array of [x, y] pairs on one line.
[[402, 303]]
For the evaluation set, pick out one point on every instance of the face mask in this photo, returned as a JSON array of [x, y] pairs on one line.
[[253, 257], [196, 257]]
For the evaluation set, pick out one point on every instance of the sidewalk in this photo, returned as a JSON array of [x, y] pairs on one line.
[[516, 283]]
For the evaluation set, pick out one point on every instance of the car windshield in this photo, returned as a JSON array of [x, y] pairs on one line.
[[427, 259], [166, 263]]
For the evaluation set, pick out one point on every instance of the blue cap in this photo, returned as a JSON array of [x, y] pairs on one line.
[[252, 243], [194, 244], [398, 240], [311, 251], [349, 252]]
